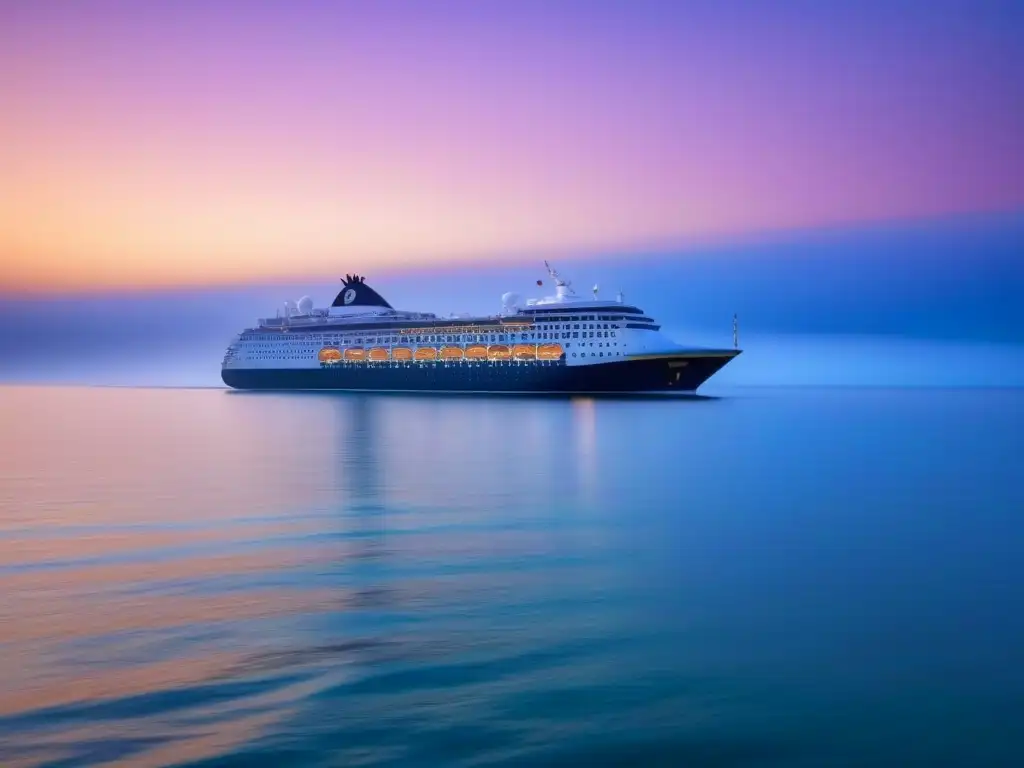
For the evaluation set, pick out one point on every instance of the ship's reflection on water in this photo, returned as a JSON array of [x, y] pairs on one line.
[[315, 578]]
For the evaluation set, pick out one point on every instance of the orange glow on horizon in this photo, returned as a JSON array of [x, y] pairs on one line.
[[167, 146]]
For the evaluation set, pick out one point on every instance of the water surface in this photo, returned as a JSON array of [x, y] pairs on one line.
[[791, 577]]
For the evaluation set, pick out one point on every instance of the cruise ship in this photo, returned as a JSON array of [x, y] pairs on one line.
[[563, 343]]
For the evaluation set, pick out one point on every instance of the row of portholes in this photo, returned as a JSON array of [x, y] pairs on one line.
[[471, 352], [593, 354]]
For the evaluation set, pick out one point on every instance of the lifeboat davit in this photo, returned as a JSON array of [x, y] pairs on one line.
[[329, 355], [451, 353], [549, 352], [401, 353], [499, 352], [426, 353], [355, 354], [378, 355]]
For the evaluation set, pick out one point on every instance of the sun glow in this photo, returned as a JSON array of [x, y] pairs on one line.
[[175, 146]]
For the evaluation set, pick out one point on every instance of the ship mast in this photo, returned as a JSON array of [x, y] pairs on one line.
[[562, 286]]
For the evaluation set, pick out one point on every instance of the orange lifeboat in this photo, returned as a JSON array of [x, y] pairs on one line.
[[451, 353], [525, 351], [401, 353], [549, 352], [498, 352], [329, 355], [476, 352], [355, 354], [426, 353], [378, 355]]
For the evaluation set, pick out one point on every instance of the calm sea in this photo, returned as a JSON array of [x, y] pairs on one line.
[[774, 577]]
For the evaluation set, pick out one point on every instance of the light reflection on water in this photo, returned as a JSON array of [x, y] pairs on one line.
[[174, 543], [193, 573]]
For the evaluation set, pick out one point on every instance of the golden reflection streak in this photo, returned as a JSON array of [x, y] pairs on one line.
[[113, 683], [584, 413], [28, 549], [88, 577], [79, 617]]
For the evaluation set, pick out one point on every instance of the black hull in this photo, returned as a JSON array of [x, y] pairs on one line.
[[667, 373]]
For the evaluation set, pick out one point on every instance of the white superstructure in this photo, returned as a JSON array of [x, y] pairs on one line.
[[589, 330]]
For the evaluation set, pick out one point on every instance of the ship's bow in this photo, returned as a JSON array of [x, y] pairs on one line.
[[678, 370]]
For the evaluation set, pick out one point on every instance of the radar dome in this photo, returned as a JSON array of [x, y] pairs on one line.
[[289, 307], [509, 299], [305, 305]]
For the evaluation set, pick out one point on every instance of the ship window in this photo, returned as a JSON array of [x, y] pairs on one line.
[[576, 326], [613, 334], [575, 335]]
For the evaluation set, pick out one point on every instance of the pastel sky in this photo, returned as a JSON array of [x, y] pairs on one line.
[[179, 143]]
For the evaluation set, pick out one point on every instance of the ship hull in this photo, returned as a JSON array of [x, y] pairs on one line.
[[655, 373]]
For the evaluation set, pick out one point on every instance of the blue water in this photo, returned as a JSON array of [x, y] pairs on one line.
[[774, 577]]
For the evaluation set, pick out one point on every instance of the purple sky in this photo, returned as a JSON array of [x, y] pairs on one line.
[[166, 143]]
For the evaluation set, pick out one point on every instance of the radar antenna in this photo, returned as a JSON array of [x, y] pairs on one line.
[[559, 281]]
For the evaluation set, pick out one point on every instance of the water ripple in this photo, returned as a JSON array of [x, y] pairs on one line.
[[320, 581]]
